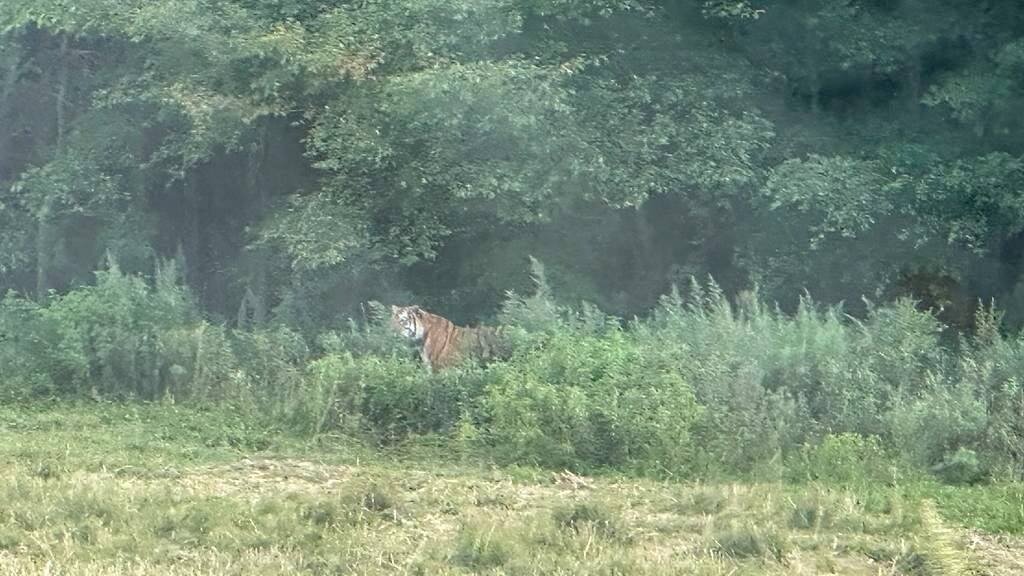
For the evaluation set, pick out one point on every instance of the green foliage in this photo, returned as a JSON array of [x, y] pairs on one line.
[[538, 312], [990, 366], [331, 398], [296, 149], [731, 9], [592, 400], [962, 467], [25, 343], [273, 360], [846, 459], [316, 232], [200, 363], [401, 400], [701, 388], [392, 399], [108, 338], [849, 196], [982, 194], [374, 336], [937, 424]]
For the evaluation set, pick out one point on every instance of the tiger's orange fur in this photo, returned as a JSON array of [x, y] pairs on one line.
[[442, 344]]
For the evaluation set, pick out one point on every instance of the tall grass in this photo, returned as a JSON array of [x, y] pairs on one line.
[[701, 387]]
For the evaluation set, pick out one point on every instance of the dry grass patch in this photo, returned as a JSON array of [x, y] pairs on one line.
[[88, 503]]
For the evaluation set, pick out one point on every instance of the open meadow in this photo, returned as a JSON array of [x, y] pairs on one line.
[[105, 489]]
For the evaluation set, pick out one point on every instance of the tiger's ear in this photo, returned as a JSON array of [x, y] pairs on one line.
[[394, 308]]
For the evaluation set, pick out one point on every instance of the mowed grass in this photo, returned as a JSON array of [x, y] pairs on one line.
[[135, 489]]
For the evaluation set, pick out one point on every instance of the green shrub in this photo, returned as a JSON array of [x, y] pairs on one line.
[[900, 347], [373, 337], [754, 413], [111, 339], [271, 378], [394, 399], [814, 356], [590, 401], [845, 459], [993, 366], [33, 365], [942, 419], [198, 363], [402, 399], [330, 398], [961, 467]]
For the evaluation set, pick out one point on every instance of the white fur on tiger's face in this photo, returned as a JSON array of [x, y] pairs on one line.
[[406, 320]]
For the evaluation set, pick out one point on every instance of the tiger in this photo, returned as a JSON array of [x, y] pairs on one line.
[[442, 344]]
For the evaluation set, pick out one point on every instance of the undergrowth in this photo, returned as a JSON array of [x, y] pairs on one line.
[[702, 388]]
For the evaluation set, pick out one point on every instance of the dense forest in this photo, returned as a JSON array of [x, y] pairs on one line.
[[299, 158]]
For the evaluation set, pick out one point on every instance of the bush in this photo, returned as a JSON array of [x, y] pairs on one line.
[[900, 347], [845, 459], [394, 399], [198, 363], [373, 337], [700, 387], [752, 418], [113, 339], [32, 364], [992, 366], [331, 397], [962, 467], [937, 423], [402, 399], [592, 401]]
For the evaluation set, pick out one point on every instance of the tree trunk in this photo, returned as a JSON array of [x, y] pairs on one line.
[[257, 290], [914, 85], [815, 93], [44, 220], [647, 269], [814, 82], [190, 241], [11, 71]]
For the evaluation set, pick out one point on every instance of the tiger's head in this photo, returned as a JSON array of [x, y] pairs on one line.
[[408, 321]]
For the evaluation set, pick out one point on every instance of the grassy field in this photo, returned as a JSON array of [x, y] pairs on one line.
[[128, 489]]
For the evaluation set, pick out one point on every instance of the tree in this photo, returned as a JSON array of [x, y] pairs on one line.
[[299, 157]]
